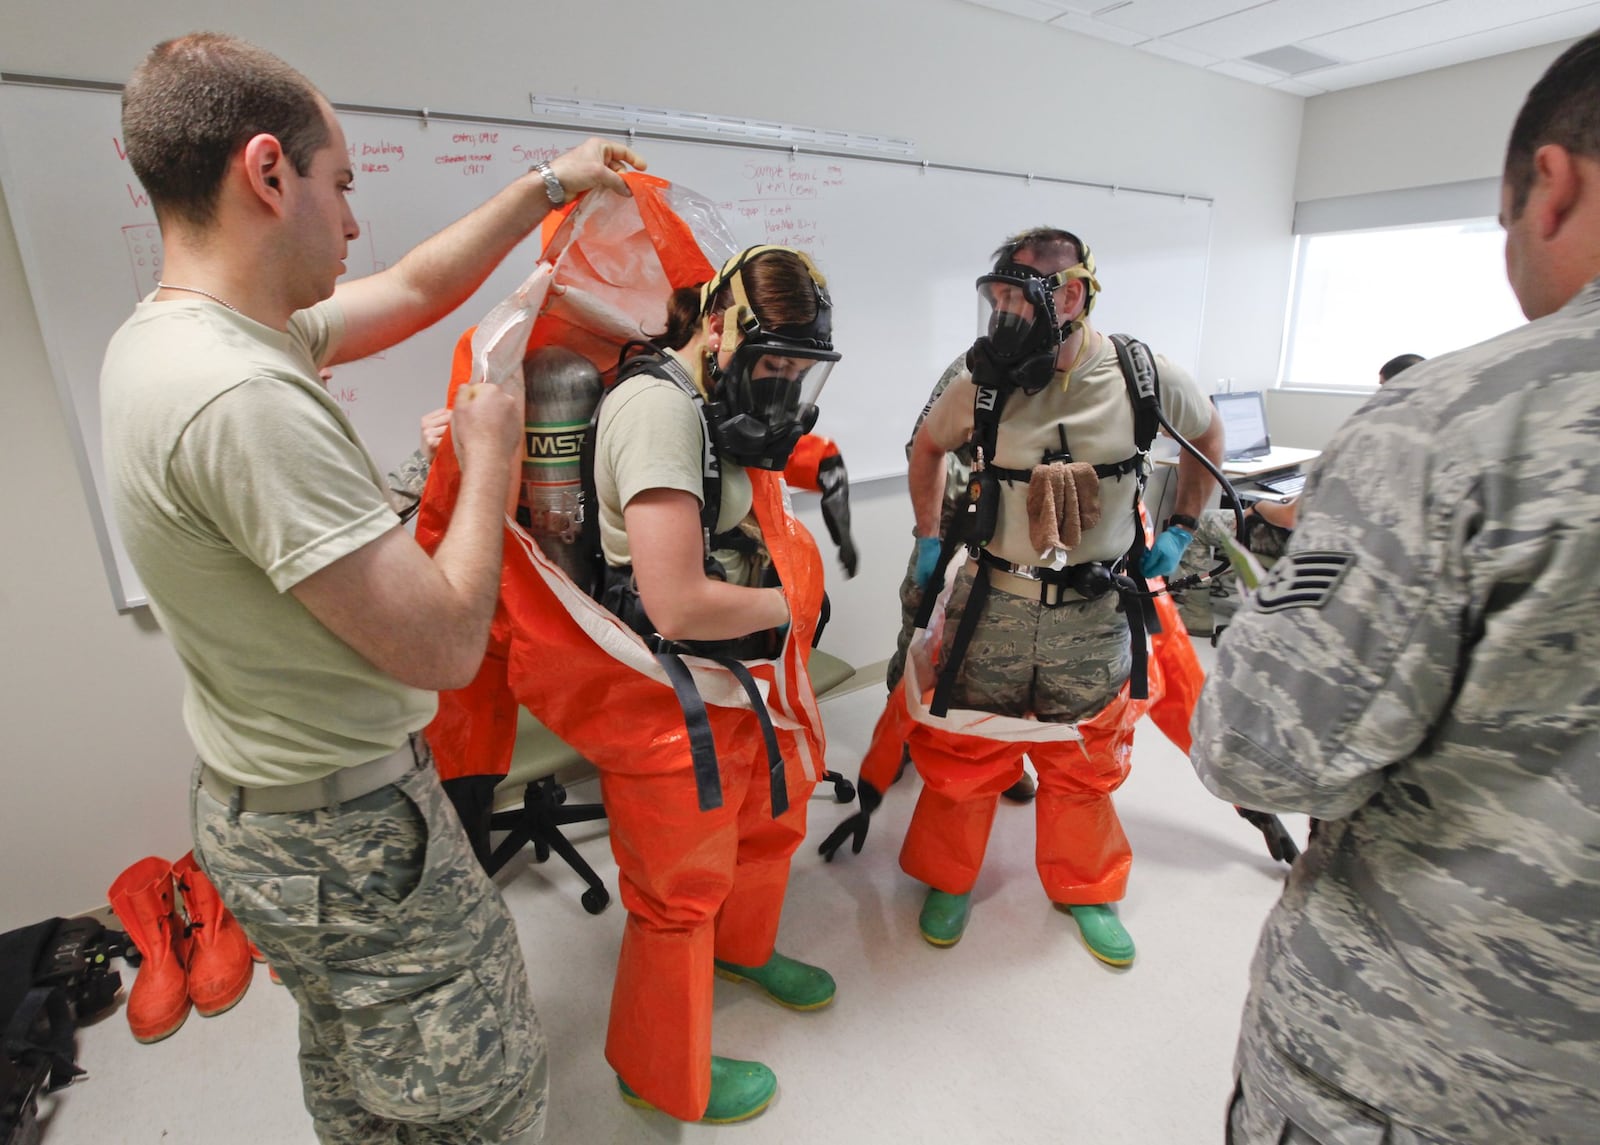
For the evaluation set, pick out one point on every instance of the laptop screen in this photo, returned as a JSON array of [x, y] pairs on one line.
[[1244, 425]]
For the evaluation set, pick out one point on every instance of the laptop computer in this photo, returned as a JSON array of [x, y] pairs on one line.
[[1244, 425]]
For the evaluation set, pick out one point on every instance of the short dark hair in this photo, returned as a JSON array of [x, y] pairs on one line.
[[195, 101], [1044, 243], [1399, 362], [1563, 108]]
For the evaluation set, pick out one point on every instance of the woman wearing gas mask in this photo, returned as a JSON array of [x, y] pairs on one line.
[[705, 560]]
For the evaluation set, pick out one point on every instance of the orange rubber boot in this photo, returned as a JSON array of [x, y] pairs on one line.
[[142, 898], [220, 965]]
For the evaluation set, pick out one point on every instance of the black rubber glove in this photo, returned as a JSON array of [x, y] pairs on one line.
[[1279, 845], [855, 825], [835, 483]]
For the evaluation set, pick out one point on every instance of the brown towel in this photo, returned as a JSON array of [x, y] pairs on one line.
[[1063, 501]]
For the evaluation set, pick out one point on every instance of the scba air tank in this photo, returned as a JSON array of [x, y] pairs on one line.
[[563, 388]]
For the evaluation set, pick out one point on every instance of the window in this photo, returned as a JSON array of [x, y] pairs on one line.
[[1362, 296]]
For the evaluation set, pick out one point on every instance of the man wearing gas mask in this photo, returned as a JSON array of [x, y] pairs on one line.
[[1049, 612]]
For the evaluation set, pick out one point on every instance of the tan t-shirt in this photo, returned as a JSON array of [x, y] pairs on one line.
[[233, 477], [1094, 408], [650, 437]]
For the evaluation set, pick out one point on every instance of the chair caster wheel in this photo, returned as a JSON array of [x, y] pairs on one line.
[[844, 791], [596, 899]]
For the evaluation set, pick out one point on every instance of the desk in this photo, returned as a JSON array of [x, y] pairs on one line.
[[1240, 473], [1276, 458], [1244, 473]]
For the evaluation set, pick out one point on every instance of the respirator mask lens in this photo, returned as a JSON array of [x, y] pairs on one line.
[[1011, 315]]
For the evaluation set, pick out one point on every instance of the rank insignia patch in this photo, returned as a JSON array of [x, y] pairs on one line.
[[1303, 580]]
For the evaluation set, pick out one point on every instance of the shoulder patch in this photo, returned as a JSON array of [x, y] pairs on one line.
[[1303, 580]]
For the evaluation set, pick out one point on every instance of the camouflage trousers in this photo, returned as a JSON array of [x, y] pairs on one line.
[[1276, 1102], [1027, 659], [416, 1022]]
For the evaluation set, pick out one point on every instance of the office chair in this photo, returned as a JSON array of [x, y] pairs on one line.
[[530, 802]]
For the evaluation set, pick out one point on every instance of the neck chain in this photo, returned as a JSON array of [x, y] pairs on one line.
[[202, 293]]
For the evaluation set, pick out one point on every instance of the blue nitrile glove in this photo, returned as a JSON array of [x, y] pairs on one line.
[[927, 559], [1164, 555]]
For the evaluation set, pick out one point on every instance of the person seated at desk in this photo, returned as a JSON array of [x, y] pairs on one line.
[[1281, 515], [1394, 365]]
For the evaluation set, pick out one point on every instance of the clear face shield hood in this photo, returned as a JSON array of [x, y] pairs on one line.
[[1022, 332], [765, 399]]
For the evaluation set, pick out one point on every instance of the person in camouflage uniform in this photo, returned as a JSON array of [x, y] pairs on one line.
[[958, 467], [1207, 606], [1418, 674], [314, 631], [410, 477]]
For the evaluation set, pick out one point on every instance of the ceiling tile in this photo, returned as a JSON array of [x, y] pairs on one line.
[[1298, 87], [1285, 22], [1377, 40], [1243, 71], [1032, 9], [1445, 21], [1098, 29], [1160, 17], [1179, 52]]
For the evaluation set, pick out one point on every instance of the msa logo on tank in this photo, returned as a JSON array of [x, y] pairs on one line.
[[563, 387], [553, 444]]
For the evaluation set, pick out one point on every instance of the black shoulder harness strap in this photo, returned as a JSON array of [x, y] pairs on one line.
[[702, 746], [662, 365]]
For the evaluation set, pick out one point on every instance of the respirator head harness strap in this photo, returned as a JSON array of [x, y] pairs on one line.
[[764, 400]]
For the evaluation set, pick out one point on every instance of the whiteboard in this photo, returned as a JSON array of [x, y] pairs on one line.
[[901, 245]]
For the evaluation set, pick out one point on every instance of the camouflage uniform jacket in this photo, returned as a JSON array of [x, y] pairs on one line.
[[1420, 673], [958, 464]]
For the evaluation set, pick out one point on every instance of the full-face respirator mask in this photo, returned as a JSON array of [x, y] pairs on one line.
[[1022, 332], [765, 399]]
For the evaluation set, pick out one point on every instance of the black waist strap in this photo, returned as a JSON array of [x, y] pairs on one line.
[[1108, 469], [697, 721], [1090, 580]]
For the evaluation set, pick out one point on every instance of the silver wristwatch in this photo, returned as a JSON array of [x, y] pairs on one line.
[[552, 185]]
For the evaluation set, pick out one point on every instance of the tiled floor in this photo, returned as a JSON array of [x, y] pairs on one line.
[[1016, 1035]]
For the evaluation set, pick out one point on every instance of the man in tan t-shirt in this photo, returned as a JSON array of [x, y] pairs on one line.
[[1050, 642], [313, 630]]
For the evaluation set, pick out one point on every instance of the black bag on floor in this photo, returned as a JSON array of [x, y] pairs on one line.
[[54, 975]]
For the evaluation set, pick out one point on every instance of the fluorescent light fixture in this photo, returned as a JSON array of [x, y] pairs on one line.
[[699, 125]]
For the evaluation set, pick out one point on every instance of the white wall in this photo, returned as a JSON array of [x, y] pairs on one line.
[[1443, 126], [1307, 420], [96, 757]]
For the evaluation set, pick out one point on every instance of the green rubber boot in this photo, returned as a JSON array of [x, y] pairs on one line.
[[787, 982], [1103, 933], [739, 1091], [944, 917]]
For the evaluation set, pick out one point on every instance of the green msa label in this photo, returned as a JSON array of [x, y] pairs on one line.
[[558, 443]]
